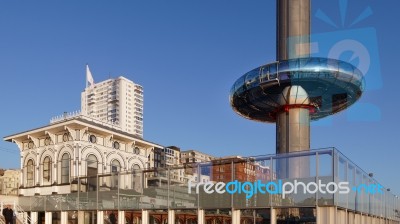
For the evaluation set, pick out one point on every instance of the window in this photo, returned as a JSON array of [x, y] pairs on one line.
[[116, 145], [115, 166], [65, 163], [30, 175], [46, 169], [136, 177], [92, 170], [92, 138]]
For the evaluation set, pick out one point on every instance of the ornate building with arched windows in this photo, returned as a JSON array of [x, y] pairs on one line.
[[53, 157]]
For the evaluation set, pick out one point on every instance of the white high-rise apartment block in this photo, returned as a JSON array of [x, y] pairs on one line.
[[118, 102]]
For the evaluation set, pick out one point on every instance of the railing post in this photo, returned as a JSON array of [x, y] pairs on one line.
[[118, 189]]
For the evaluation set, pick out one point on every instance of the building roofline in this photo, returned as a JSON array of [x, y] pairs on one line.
[[192, 150], [9, 138]]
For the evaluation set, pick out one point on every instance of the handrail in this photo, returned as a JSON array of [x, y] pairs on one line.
[[20, 212]]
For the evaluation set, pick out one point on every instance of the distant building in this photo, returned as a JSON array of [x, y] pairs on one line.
[[116, 101], [166, 158], [172, 155], [194, 156], [9, 182], [190, 159], [223, 171]]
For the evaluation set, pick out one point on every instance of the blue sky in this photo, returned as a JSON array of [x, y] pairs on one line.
[[187, 54]]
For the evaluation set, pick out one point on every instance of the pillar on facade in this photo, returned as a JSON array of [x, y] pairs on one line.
[[326, 215], [171, 216], [48, 218], [341, 216], [235, 216], [200, 216], [100, 217], [273, 216], [34, 217], [121, 217], [145, 217], [81, 217], [64, 218]]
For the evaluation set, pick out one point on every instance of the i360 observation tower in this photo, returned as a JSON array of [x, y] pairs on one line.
[[296, 88]]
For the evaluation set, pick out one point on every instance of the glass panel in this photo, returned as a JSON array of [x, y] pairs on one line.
[[252, 78], [358, 197], [53, 202], [325, 176], [70, 202], [346, 72], [284, 71], [325, 164], [264, 73], [220, 171], [293, 173], [283, 67], [244, 175], [341, 177], [87, 197], [240, 84], [351, 197], [180, 180], [155, 192], [273, 71], [309, 65], [264, 174], [365, 194]]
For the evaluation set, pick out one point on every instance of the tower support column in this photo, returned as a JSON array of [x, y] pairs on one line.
[[293, 132], [293, 123]]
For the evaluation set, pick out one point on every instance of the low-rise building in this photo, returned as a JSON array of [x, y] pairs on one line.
[[194, 156], [56, 155]]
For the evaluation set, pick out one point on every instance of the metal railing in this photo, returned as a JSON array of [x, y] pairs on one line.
[[176, 187], [22, 216]]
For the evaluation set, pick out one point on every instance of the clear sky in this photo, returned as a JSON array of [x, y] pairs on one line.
[[187, 54]]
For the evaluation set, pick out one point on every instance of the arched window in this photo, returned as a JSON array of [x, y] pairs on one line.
[[30, 173], [135, 168], [65, 168], [92, 171], [115, 166], [136, 178], [92, 164], [47, 170]]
